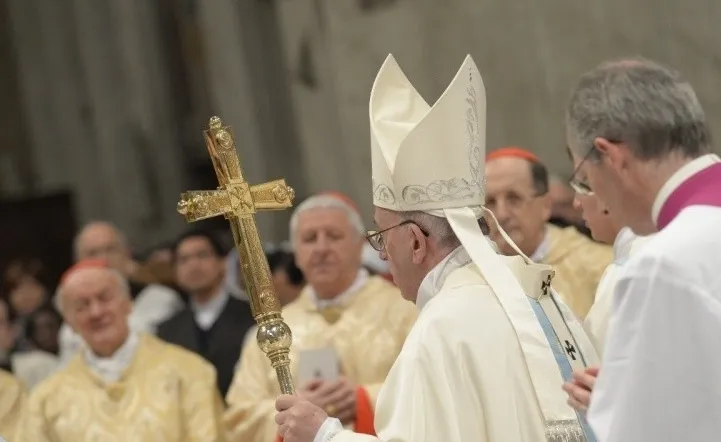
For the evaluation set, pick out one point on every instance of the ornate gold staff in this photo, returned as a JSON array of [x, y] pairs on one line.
[[238, 201]]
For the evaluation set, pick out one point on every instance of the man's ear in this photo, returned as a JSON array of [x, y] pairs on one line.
[[614, 153], [420, 244]]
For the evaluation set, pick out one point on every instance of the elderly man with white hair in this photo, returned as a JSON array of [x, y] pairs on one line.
[[125, 385], [492, 343], [348, 328], [152, 303]]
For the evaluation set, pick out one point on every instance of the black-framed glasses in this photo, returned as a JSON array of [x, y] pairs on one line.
[[576, 184], [377, 239]]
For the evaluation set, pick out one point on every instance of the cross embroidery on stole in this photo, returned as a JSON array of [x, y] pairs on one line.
[[559, 351]]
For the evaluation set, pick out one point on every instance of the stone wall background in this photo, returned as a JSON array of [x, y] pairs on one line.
[[107, 99]]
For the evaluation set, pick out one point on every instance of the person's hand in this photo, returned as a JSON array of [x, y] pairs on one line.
[[298, 419], [336, 397], [580, 388]]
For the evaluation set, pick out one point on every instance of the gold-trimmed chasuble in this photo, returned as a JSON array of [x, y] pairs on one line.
[[238, 202]]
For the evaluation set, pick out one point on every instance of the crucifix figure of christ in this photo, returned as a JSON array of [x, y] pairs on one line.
[[238, 202]]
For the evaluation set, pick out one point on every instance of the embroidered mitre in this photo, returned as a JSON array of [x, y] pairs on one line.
[[432, 159], [428, 158]]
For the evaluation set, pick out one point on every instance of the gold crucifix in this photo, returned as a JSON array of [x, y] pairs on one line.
[[238, 201]]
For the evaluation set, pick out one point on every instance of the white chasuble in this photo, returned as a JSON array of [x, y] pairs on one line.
[[462, 375], [493, 344]]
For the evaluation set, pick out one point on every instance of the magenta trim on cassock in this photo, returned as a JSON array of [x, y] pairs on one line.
[[702, 189]]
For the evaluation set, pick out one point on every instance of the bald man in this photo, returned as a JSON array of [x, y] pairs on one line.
[[152, 303], [125, 385], [517, 192]]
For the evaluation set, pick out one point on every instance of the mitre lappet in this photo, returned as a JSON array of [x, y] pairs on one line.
[[432, 159]]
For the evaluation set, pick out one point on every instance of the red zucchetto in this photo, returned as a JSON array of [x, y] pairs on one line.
[[512, 152], [84, 264]]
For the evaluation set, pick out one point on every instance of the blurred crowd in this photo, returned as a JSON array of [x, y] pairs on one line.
[[183, 312], [34, 339]]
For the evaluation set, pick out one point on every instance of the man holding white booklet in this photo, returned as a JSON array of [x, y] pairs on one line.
[[348, 328]]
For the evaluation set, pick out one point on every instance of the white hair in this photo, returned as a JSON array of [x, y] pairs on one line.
[[327, 202], [439, 228], [86, 227], [122, 283]]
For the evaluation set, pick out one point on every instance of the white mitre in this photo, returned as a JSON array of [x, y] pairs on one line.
[[428, 158], [432, 159]]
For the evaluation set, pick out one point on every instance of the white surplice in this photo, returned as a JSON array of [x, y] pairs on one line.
[[660, 380], [598, 318], [462, 375]]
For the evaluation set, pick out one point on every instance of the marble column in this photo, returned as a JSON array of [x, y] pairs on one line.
[[55, 102], [303, 29], [17, 174], [152, 133], [92, 83], [248, 88]]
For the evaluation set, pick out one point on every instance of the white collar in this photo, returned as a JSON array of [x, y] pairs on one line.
[[622, 244], [360, 281], [206, 314], [679, 177], [111, 368], [433, 281], [541, 252]]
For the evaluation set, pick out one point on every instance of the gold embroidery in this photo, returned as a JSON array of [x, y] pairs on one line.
[[74, 405], [564, 431]]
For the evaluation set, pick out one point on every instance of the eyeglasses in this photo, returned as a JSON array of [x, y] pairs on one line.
[[578, 185], [575, 183], [377, 239]]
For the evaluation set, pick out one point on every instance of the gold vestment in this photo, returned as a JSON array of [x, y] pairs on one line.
[[367, 336], [12, 401], [166, 394]]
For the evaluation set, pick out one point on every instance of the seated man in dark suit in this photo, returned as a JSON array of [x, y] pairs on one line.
[[214, 323]]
